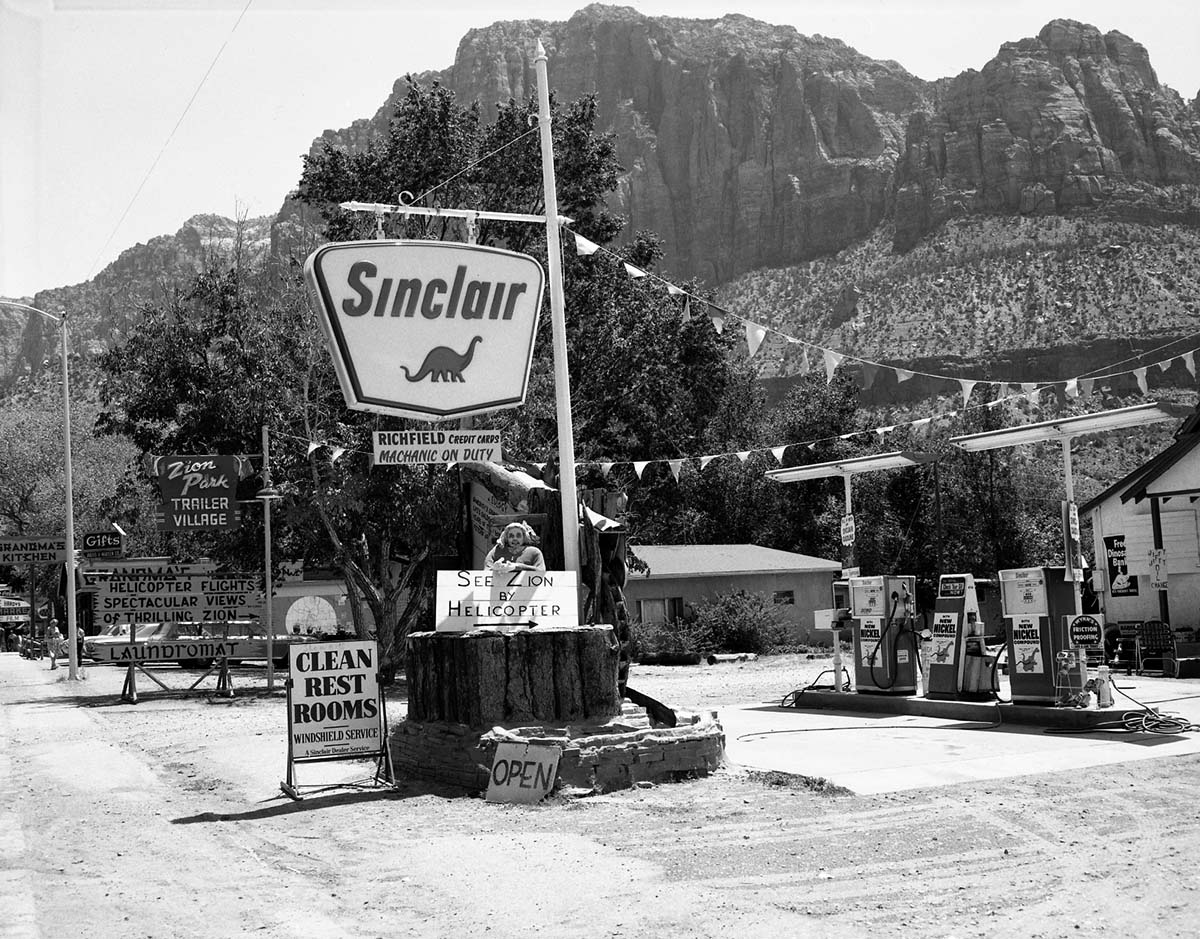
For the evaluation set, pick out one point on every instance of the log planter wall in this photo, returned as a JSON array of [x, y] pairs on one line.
[[487, 677], [552, 686]]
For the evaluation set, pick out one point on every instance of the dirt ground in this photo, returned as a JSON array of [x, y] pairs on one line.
[[164, 819]]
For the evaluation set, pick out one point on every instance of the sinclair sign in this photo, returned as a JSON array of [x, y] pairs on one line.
[[426, 329]]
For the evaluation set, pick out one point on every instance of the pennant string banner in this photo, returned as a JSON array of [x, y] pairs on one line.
[[720, 315]]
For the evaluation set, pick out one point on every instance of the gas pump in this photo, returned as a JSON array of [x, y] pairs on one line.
[[882, 611], [958, 666], [1037, 603]]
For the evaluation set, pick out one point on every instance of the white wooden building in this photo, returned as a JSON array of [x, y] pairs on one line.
[[1161, 493]]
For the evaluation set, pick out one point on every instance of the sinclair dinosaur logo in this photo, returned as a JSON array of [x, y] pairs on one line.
[[427, 329]]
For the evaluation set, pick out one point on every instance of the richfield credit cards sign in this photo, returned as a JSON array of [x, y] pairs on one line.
[[425, 329]]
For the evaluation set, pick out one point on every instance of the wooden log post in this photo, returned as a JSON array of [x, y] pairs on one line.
[[486, 676]]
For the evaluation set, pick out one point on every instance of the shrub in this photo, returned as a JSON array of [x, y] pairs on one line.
[[676, 636], [740, 622]]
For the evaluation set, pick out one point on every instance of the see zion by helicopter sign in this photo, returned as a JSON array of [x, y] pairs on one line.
[[427, 329]]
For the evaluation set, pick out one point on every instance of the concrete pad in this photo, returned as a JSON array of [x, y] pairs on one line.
[[875, 747]]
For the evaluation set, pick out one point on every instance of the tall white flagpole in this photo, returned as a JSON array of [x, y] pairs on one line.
[[562, 381]]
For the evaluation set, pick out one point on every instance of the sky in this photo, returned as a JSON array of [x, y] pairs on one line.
[[121, 119]]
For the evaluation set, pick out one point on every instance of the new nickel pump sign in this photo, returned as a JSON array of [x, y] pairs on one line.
[[426, 329]]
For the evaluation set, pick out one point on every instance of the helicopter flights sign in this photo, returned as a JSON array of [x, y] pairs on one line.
[[427, 329]]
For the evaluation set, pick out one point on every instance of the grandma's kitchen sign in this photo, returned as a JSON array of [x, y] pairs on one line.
[[426, 329]]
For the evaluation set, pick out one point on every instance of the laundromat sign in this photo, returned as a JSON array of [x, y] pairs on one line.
[[425, 329]]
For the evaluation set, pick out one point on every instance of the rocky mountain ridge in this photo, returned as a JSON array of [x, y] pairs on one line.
[[750, 147]]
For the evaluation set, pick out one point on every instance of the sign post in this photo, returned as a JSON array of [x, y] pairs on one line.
[[562, 382]]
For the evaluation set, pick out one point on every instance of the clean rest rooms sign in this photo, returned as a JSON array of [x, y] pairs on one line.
[[425, 329]]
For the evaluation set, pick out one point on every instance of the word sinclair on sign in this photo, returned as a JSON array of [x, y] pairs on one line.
[[427, 329]]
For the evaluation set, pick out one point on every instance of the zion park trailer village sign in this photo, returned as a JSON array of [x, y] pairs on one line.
[[425, 329]]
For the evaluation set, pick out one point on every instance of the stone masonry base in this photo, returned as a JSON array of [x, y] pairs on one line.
[[597, 756]]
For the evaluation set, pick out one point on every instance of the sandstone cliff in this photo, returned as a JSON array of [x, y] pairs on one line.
[[744, 144], [749, 145], [1071, 119]]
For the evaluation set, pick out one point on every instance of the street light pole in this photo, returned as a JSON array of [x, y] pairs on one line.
[[267, 495], [72, 629]]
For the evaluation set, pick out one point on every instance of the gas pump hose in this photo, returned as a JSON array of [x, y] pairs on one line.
[[1148, 720], [875, 652]]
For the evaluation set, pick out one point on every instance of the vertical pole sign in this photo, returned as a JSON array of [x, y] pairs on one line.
[[336, 708]]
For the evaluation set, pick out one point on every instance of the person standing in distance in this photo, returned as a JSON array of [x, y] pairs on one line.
[[514, 550], [53, 642]]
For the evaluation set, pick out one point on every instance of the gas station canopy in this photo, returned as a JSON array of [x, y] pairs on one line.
[[898, 459], [1068, 427]]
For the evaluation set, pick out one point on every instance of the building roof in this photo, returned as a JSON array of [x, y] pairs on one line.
[[696, 560], [1134, 485]]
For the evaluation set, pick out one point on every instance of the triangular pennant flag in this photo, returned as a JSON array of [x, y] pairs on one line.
[[583, 246], [754, 337], [673, 291], [967, 386], [1189, 359], [687, 309], [832, 361], [540, 466], [1165, 364], [1140, 375], [921, 426], [639, 467], [1072, 388], [1028, 386], [743, 454], [1085, 386], [312, 445], [885, 430], [902, 374], [336, 455], [632, 271], [675, 464], [450, 465], [811, 446], [778, 451], [718, 322], [805, 365], [869, 372], [848, 436], [605, 469], [705, 460]]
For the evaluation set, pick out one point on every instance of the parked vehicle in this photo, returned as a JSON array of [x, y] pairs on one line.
[[89, 642], [251, 636]]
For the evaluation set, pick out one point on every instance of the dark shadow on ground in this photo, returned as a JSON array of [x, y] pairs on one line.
[[322, 797]]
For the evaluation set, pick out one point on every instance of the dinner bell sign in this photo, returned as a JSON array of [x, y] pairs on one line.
[[427, 329]]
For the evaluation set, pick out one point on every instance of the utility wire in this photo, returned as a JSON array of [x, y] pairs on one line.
[[166, 143]]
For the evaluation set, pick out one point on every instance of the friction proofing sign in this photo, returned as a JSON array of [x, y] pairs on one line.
[[425, 329], [333, 701]]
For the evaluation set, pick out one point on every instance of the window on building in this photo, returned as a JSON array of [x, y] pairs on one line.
[[652, 611], [785, 596], [666, 610]]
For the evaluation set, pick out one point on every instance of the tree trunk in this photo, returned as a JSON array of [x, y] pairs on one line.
[[485, 677]]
